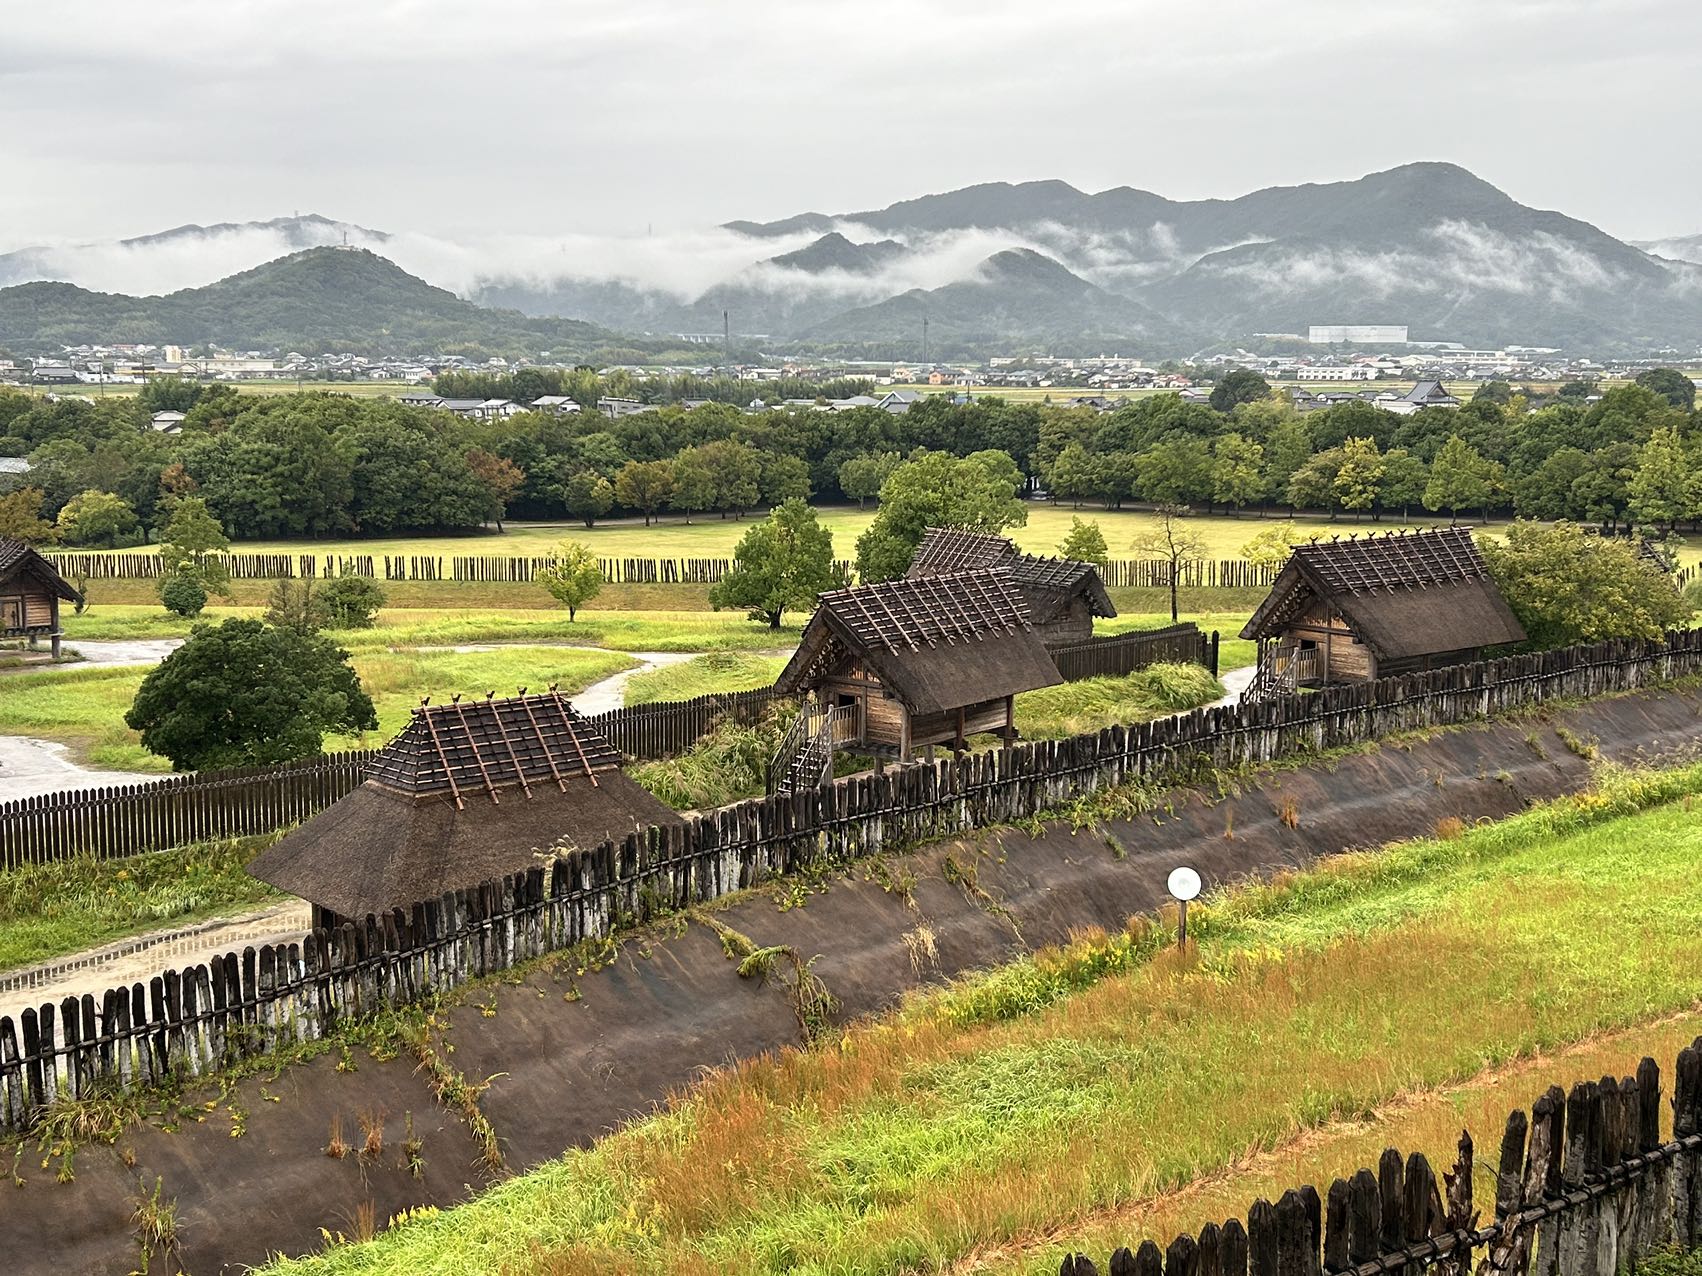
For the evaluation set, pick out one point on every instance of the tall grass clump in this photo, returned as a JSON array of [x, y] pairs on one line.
[[70, 904], [730, 762]]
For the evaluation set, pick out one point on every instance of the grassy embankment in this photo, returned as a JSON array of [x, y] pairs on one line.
[[85, 707], [70, 905], [1111, 1091]]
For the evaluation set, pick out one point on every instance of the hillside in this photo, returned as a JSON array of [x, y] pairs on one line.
[[1678, 248], [1017, 295], [324, 299]]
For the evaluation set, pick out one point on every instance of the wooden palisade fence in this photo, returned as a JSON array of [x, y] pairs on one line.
[[1125, 653], [176, 810], [1585, 1186], [507, 569], [194, 1019]]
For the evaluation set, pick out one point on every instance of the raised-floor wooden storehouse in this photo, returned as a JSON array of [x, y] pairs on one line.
[[1064, 595], [31, 590], [1374, 606], [468, 792], [905, 664]]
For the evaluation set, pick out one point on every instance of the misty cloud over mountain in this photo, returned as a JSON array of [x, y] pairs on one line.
[[1029, 265]]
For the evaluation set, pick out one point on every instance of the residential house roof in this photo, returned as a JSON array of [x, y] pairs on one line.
[[1404, 594]]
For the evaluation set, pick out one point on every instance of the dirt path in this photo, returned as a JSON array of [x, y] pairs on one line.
[[30, 767], [610, 692], [131, 651]]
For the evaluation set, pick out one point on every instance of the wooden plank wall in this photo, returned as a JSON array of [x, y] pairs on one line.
[[1585, 1186], [1125, 653], [236, 1005]]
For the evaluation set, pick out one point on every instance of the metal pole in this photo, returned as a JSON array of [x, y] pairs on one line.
[[1182, 925]]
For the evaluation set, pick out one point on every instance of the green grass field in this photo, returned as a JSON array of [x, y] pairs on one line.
[[85, 707], [714, 537], [47, 910], [1067, 1099]]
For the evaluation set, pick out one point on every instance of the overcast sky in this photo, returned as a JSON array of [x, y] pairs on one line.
[[550, 116]]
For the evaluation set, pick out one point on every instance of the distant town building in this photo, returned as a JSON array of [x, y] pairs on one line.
[[1330, 334]]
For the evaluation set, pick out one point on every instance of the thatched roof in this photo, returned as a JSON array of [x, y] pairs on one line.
[[467, 793], [1404, 594], [18, 559], [937, 642], [1048, 584]]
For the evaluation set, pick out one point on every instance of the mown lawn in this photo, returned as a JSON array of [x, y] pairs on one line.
[[47, 910], [85, 707], [1096, 1078]]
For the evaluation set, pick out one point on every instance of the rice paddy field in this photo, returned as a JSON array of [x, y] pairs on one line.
[[1112, 1090]]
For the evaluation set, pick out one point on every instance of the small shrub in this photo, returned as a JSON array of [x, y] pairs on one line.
[[183, 595], [1288, 813], [1449, 827], [350, 602], [335, 1148]]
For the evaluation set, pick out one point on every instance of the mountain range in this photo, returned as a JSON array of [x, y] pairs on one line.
[[993, 268]]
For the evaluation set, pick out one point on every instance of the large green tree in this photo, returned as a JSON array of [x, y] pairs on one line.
[[1238, 386], [1236, 470], [1359, 478], [1664, 486], [645, 486], [1672, 385], [861, 476], [1459, 478], [780, 565], [99, 519], [933, 489], [21, 520], [1567, 584], [244, 693]]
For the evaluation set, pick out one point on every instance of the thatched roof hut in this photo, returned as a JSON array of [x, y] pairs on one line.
[[923, 660], [469, 791], [1369, 607], [31, 590], [1064, 595]]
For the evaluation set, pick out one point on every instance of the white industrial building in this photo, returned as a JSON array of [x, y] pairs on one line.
[[1330, 334]]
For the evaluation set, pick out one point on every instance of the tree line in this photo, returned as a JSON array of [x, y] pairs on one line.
[[324, 464]]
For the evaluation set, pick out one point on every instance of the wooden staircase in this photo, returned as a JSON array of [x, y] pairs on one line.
[[1281, 671], [804, 760]]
